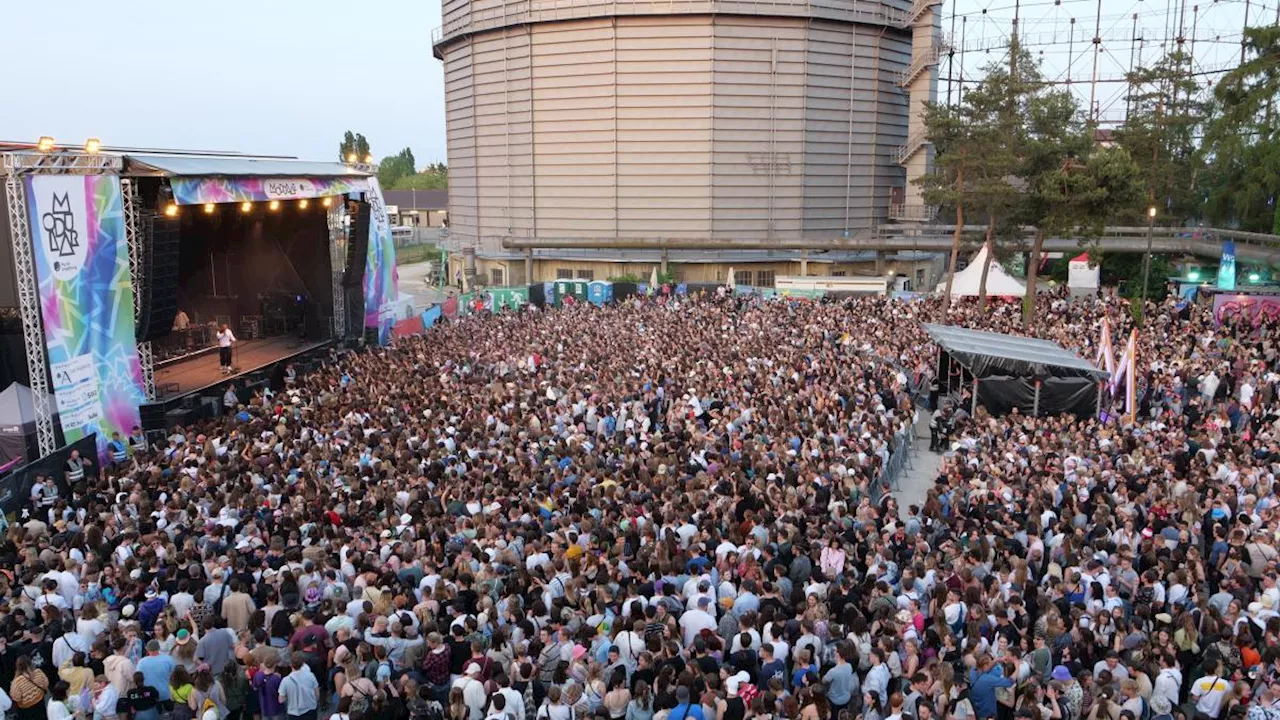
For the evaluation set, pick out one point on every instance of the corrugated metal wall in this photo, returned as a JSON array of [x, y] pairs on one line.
[[680, 126]]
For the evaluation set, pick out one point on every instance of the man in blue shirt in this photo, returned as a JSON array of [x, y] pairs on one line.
[[983, 683], [685, 710], [299, 691], [840, 680], [156, 668]]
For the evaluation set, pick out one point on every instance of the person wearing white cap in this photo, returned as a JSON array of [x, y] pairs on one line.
[[473, 694]]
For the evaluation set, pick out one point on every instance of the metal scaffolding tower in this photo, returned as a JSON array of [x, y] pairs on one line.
[[17, 167]]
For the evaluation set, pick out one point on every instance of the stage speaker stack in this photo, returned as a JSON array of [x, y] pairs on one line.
[[538, 295], [158, 290], [353, 278]]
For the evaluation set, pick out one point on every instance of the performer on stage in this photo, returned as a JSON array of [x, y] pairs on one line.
[[225, 338]]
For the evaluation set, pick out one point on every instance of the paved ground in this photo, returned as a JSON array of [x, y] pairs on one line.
[[916, 479], [413, 281]]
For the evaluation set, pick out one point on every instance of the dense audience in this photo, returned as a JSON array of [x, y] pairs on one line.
[[673, 508]]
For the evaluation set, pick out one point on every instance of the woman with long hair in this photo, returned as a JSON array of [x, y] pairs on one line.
[[180, 692], [617, 697], [457, 708], [814, 705], [641, 705], [28, 690]]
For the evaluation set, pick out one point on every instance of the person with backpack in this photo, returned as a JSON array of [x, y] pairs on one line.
[[266, 683], [236, 690]]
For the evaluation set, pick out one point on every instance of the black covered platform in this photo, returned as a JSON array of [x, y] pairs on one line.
[[1038, 377]]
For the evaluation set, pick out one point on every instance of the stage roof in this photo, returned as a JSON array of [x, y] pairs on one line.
[[988, 353], [200, 166]]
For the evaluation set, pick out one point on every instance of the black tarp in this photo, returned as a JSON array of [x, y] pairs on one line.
[[15, 488], [1008, 367], [986, 354]]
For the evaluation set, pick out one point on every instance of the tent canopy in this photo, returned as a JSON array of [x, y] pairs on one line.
[[985, 354], [968, 282], [17, 406]]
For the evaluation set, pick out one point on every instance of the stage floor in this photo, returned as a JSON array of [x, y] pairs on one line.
[[197, 373]]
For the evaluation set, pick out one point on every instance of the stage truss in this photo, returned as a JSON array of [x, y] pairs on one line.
[[17, 166], [129, 197], [338, 266]]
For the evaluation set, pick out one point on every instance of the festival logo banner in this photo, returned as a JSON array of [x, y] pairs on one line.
[[201, 190], [380, 276], [1227, 266], [86, 301]]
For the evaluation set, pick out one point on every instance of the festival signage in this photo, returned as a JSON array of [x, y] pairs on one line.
[[201, 190], [1227, 266], [380, 277], [86, 302], [1254, 308]]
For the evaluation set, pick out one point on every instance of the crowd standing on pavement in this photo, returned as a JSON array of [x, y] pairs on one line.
[[668, 509]]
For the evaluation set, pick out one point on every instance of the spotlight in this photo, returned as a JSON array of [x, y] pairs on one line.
[[246, 207], [326, 202], [368, 159], [302, 204], [45, 144], [1193, 275], [274, 205], [352, 157], [208, 208], [1254, 277], [92, 146], [1151, 212], [171, 210]]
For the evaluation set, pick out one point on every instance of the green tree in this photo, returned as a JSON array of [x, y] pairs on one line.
[[997, 108], [434, 177], [1165, 116], [395, 167], [952, 130], [353, 143], [1241, 146]]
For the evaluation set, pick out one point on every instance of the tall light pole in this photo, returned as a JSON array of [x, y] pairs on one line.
[[1146, 258]]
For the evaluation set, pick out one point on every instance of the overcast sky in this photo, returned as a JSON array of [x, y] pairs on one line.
[[288, 77]]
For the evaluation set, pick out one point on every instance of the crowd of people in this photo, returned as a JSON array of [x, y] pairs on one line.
[[671, 508]]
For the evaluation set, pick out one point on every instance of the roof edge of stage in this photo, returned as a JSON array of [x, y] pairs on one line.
[[161, 164], [1010, 353]]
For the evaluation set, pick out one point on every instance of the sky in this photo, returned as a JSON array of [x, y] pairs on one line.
[[281, 77], [289, 77]]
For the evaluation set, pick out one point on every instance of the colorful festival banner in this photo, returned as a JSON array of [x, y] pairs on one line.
[[380, 276], [86, 300], [1227, 266], [201, 190], [1255, 308]]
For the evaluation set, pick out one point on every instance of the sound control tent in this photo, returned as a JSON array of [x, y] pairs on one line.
[[1007, 371]]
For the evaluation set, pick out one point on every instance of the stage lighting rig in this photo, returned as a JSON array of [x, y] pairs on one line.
[[92, 146], [45, 144]]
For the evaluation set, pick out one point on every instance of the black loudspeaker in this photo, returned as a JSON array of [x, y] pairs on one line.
[[158, 289], [357, 247], [152, 417], [538, 295]]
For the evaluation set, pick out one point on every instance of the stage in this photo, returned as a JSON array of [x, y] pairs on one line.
[[194, 374]]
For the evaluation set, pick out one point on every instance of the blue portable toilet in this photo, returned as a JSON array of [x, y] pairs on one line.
[[599, 292]]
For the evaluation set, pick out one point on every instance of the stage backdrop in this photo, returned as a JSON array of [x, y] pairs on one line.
[[86, 300], [201, 190], [380, 276]]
